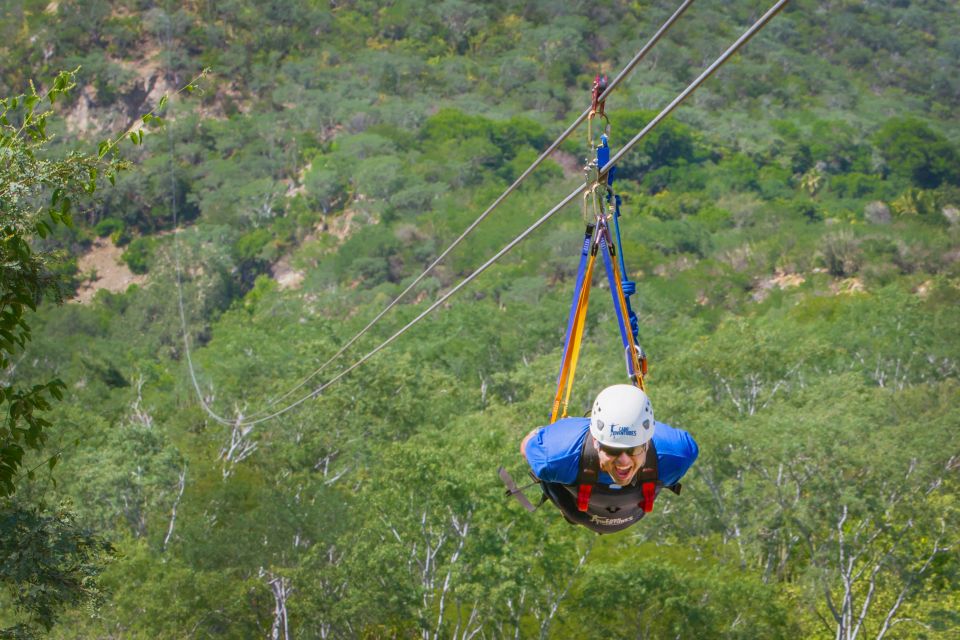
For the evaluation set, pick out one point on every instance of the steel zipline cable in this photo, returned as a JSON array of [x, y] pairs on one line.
[[666, 111], [639, 56], [516, 183]]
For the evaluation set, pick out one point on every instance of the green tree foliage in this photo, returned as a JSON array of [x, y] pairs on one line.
[[138, 254], [49, 562], [670, 145], [663, 596], [914, 151], [333, 155], [35, 194]]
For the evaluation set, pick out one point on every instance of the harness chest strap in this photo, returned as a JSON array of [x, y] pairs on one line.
[[589, 474]]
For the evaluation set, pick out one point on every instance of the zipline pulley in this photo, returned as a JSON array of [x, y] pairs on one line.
[[597, 107]]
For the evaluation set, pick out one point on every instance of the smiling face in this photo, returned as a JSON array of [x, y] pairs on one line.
[[621, 465]]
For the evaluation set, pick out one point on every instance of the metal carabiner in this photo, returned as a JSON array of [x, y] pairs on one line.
[[595, 214], [641, 359], [605, 131]]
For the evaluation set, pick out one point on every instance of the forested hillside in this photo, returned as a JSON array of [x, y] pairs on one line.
[[793, 230]]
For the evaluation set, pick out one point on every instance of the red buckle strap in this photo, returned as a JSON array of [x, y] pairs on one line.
[[649, 494], [583, 496]]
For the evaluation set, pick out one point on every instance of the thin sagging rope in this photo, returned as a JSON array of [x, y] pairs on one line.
[[743, 39], [178, 263]]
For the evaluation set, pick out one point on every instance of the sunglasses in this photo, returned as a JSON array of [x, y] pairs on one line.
[[614, 452]]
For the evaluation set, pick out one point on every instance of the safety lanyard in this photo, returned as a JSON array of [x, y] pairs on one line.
[[598, 239]]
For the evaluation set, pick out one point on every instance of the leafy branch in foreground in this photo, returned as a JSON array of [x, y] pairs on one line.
[[36, 194], [49, 561], [152, 118]]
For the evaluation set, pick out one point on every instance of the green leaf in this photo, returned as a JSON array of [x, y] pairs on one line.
[[102, 149], [52, 462], [56, 388], [162, 103], [42, 229]]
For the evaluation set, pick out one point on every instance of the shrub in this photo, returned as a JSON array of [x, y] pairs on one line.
[[120, 237], [138, 254], [841, 253], [373, 270], [672, 143], [915, 202], [415, 197], [857, 185], [738, 172], [680, 236], [774, 182], [250, 246], [108, 226], [714, 218], [916, 152], [524, 157], [806, 209]]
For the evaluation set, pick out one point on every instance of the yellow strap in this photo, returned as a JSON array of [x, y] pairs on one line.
[[570, 356], [577, 334]]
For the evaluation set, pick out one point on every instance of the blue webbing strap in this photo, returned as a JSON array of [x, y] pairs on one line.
[[629, 286], [584, 252], [608, 266]]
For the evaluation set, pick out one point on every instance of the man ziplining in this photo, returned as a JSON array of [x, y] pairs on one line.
[[604, 472]]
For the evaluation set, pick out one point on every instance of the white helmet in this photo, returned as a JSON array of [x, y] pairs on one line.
[[622, 417]]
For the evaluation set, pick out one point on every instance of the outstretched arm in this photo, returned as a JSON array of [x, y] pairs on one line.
[[526, 439], [553, 451], [677, 451]]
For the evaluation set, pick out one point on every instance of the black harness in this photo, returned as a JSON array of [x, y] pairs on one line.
[[600, 507], [589, 475]]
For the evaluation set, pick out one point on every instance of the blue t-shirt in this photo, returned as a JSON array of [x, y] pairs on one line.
[[554, 452]]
